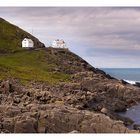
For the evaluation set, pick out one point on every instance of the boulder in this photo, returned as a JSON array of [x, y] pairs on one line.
[[42, 122], [136, 126], [119, 106], [12, 111], [8, 124], [26, 126], [104, 110], [6, 87], [102, 124], [137, 84]]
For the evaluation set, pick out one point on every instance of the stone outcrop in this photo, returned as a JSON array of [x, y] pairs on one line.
[[61, 119], [58, 109], [88, 103]]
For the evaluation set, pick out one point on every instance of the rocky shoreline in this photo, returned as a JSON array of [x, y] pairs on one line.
[[84, 105], [62, 93], [135, 83]]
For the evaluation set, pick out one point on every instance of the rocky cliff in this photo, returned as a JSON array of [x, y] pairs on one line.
[[56, 91]]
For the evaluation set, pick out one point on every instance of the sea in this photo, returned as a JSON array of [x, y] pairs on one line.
[[130, 75]]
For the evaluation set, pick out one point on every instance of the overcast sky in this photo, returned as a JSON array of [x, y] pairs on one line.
[[105, 37]]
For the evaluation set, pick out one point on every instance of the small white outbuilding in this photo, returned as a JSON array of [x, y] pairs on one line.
[[59, 43], [27, 43]]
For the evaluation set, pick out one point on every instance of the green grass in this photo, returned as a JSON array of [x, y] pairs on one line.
[[11, 37], [27, 65], [30, 65]]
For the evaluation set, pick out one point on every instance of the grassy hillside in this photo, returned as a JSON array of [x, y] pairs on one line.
[[30, 65], [38, 64], [11, 37], [21, 63]]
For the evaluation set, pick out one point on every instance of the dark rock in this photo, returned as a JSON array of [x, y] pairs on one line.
[[42, 125], [12, 111], [127, 121], [137, 84], [5, 131], [120, 106], [123, 82], [26, 126], [1, 126], [88, 85], [136, 126], [16, 100], [2, 108], [8, 125], [104, 110], [6, 87]]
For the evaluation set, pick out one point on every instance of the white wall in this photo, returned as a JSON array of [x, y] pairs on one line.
[[58, 44], [26, 43]]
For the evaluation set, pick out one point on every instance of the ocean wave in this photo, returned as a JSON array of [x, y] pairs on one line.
[[131, 82], [137, 83]]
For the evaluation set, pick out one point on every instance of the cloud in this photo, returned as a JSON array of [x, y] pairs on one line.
[[92, 32]]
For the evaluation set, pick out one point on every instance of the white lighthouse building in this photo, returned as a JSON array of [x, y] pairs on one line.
[[59, 43], [27, 43]]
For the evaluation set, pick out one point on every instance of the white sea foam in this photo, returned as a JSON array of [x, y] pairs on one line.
[[132, 82]]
